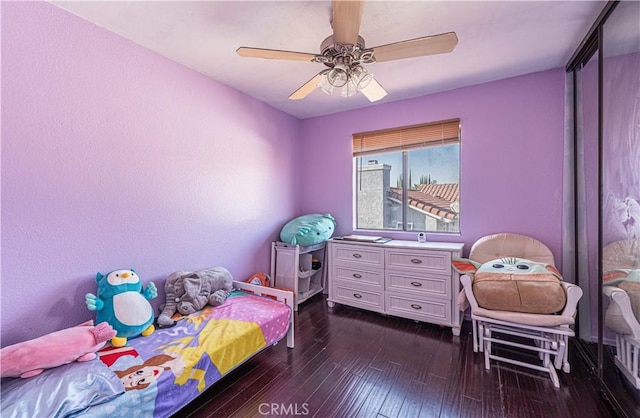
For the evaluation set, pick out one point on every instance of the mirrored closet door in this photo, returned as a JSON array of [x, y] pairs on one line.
[[620, 207], [605, 84]]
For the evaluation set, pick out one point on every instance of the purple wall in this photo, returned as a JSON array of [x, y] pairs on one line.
[[115, 157], [511, 156]]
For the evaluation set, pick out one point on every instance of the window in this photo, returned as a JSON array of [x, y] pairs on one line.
[[408, 178]]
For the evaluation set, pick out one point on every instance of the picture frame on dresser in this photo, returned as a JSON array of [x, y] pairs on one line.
[[408, 279]]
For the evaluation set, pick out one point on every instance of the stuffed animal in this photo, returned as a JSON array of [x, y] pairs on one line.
[[188, 292], [260, 279], [515, 285], [30, 358], [124, 304], [617, 276], [308, 230]]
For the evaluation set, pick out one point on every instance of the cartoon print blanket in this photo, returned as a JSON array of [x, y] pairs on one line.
[[165, 371]]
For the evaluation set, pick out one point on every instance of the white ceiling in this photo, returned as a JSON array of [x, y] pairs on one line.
[[497, 39]]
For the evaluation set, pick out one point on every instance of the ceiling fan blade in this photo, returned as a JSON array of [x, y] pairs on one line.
[[374, 91], [274, 54], [429, 45], [307, 87], [346, 18]]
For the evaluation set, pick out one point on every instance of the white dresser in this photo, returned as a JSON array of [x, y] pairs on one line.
[[401, 278]]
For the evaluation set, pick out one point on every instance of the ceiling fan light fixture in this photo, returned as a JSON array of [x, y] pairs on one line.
[[325, 86], [350, 89], [361, 77], [338, 76], [343, 53]]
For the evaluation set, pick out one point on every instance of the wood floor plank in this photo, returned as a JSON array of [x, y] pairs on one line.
[[302, 392], [412, 402], [215, 408], [427, 344], [349, 362], [433, 396], [492, 396], [378, 393], [275, 392], [335, 380], [345, 395]]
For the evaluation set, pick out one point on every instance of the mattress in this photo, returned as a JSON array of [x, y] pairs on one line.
[[166, 370]]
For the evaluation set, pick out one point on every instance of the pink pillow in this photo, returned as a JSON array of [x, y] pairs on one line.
[[30, 358]]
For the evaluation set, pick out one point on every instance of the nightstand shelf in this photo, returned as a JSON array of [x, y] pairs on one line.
[[291, 268]]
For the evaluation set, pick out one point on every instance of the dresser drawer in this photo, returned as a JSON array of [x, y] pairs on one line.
[[436, 262], [422, 309], [406, 279], [431, 285], [358, 255], [358, 276], [362, 298]]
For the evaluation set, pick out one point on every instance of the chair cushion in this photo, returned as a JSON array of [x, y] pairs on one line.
[[508, 244], [516, 285]]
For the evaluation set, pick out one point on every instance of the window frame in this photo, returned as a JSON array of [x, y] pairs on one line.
[[393, 140]]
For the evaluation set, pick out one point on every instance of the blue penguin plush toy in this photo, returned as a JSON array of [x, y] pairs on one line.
[[124, 304]]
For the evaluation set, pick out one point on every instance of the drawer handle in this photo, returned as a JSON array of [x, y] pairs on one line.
[[416, 261], [414, 306], [356, 255], [357, 276], [416, 284], [357, 295]]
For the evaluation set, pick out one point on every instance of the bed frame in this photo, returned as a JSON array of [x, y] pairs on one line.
[[283, 296], [132, 404]]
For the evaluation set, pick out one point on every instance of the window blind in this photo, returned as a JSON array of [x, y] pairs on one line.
[[407, 137]]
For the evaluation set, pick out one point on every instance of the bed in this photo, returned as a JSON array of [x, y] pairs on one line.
[[156, 376]]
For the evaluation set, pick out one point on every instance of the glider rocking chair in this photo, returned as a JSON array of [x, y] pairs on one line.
[[621, 280], [547, 334]]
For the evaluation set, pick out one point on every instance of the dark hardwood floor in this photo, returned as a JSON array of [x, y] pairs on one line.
[[353, 363]]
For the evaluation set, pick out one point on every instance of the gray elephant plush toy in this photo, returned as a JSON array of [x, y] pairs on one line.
[[190, 291]]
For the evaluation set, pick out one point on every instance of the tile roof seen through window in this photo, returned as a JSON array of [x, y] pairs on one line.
[[434, 198]]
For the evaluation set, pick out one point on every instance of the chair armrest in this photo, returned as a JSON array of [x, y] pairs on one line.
[[621, 298], [468, 290], [574, 293]]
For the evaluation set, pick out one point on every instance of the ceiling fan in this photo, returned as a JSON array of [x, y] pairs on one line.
[[344, 52]]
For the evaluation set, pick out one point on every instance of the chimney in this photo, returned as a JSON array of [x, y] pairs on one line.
[[372, 183]]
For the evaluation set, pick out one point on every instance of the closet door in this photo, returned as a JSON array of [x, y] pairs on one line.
[[621, 199], [587, 192], [605, 126]]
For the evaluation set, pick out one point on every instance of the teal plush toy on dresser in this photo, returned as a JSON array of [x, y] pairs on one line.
[[308, 230], [124, 304]]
